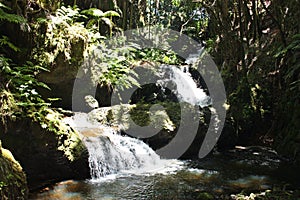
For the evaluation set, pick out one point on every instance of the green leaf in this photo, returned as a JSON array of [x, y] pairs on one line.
[[5, 41], [95, 12], [43, 85], [4, 6], [54, 99], [108, 22], [11, 17], [111, 13]]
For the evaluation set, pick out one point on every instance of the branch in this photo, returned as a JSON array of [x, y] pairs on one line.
[[276, 22]]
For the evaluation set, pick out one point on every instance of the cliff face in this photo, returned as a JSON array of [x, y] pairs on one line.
[[13, 184]]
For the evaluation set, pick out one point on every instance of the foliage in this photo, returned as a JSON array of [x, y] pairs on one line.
[[184, 16], [158, 55], [18, 95], [287, 128], [69, 27], [244, 39], [290, 55], [109, 63], [62, 31], [255, 44], [96, 15], [13, 184], [12, 18]]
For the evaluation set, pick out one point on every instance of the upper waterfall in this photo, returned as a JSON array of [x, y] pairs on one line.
[[185, 87]]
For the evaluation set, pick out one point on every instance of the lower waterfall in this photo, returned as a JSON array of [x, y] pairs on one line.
[[112, 153]]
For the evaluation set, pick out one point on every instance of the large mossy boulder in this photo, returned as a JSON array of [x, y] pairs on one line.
[[163, 117], [13, 184], [46, 156]]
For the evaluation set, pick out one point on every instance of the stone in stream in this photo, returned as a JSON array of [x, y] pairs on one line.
[[91, 101]]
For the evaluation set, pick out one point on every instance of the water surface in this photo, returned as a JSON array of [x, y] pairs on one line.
[[252, 169]]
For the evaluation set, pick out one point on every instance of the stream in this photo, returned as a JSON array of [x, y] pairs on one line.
[[249, 169], [122, 167]]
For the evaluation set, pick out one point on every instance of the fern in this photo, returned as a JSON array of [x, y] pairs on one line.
[[4, 16], [4, 41]]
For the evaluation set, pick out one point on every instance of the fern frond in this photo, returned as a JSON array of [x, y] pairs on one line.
[[13, 18]]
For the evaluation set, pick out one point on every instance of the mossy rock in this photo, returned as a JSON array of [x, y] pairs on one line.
[[46, 156], [162, 118], [166, 115], [13, 184], [205, 196]]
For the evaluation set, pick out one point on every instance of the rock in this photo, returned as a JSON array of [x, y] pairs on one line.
[[163, 119], [13, 184], [91, 101], [205, 196], [61, 76], [45, 156]]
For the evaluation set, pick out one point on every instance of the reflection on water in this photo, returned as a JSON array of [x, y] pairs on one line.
[[215, 177]]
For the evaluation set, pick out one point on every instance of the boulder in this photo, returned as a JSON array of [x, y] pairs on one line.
[[46, 156], [13, 184], [163, 117]]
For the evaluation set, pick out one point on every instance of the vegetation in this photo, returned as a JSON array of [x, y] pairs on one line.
[[256, 45], [12, 178], [262, 78]]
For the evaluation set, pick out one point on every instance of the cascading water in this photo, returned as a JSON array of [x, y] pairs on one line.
[[186, 88], [110, 152]]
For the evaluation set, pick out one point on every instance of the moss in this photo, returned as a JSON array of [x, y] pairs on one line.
[[205, 196], [68, 140], [163, 114], [71, 145], [159, 115], [13, 184], [37, 149]]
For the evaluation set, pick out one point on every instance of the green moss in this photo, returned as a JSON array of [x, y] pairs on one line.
[[13, 184], [71, 145], [162, 115], [155, 114], [205, 196], [68, 140]]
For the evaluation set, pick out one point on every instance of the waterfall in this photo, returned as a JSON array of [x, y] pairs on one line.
[[111, 153], [185, 87]]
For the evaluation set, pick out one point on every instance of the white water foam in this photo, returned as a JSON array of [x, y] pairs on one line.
[[111, 154], [186, 88]]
